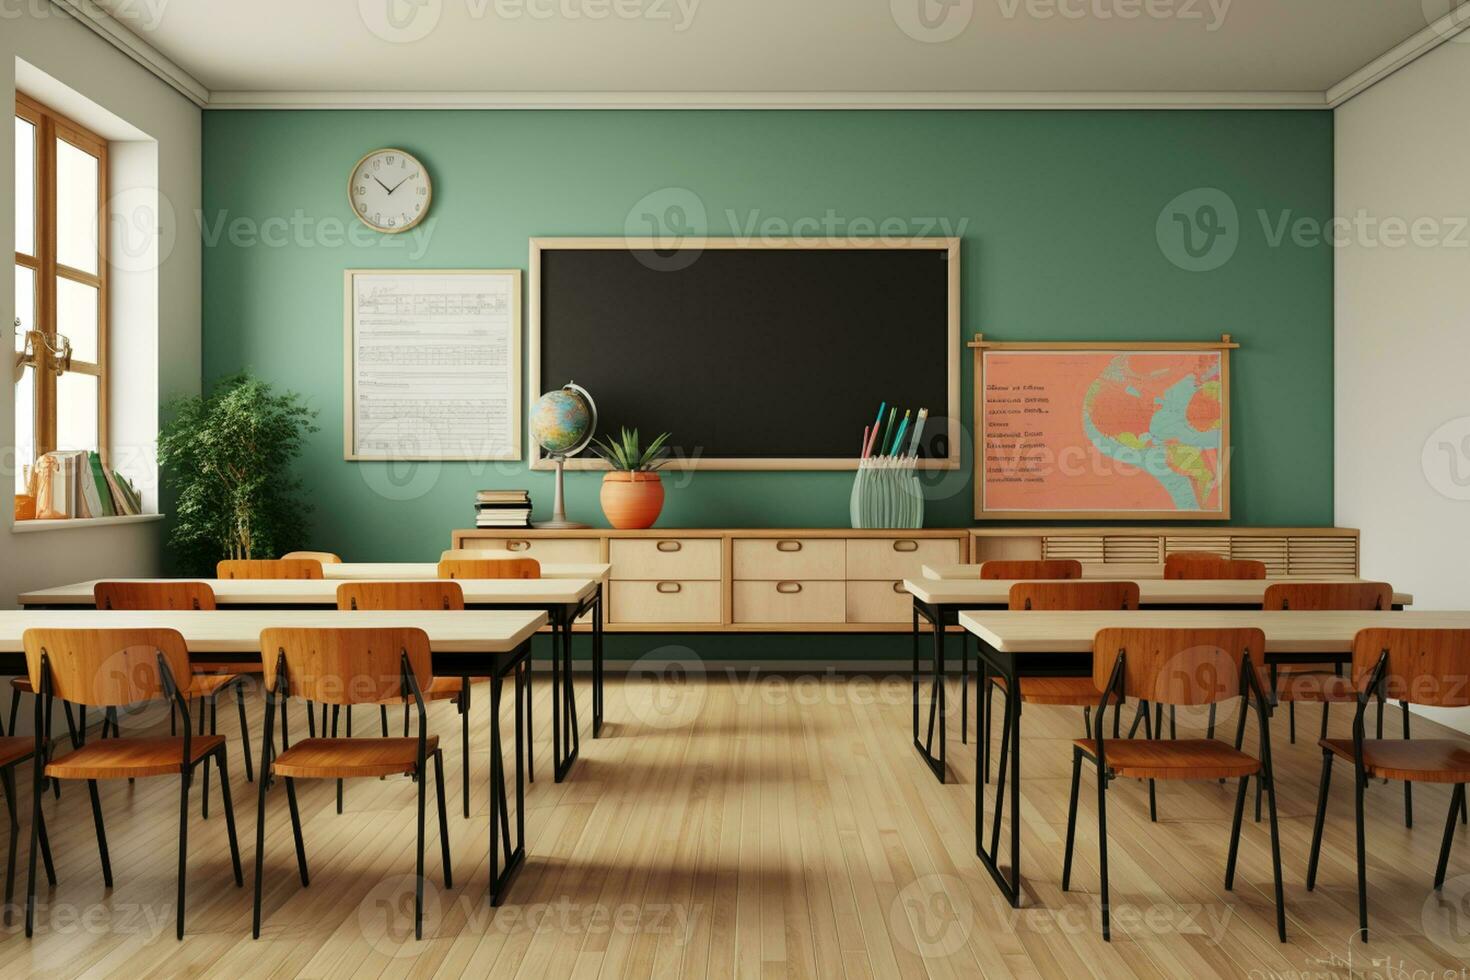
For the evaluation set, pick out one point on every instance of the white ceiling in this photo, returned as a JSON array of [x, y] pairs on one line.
[[775, 46]]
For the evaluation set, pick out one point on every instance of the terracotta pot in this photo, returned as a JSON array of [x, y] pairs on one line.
[[632, 500]]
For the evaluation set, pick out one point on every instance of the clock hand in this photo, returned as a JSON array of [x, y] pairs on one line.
[[395, 187], [381, 184]]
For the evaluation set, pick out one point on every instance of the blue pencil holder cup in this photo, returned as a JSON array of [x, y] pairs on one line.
[[887, 495]]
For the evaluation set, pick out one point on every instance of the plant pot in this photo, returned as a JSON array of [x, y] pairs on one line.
[[632, 499]]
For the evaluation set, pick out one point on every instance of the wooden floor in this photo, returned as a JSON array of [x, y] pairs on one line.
[[749, 827]]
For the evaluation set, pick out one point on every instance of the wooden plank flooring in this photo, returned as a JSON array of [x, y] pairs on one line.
[[741, 826]]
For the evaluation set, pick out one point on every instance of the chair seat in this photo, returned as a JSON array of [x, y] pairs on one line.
[[1314, 685], [1077, 692], [1422, 760], [208, 685], [339, 758], [439, 689], [119, 758], [224, 667], [15, 748], [1189, 758], [22, 684]]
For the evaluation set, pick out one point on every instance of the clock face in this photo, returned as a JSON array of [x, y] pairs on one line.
[[389, 190]]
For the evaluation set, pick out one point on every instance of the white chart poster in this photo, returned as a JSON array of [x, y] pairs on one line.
[[433, 361]]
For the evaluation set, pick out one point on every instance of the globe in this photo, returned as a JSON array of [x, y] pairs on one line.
[[563, 420]]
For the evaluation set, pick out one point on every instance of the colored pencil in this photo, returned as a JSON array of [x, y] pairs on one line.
[[864, 454], [898, 436], [918, 430]]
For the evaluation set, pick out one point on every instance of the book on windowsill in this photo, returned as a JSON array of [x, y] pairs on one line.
[[522, 497]]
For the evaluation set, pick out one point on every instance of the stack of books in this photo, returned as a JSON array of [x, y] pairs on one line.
[[503, 508], [75, 484]]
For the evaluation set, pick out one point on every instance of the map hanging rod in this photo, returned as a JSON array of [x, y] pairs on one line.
[[1224, 343]]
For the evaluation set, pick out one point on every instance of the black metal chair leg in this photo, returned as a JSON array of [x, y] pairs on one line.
[[7, 778], [336, 716], [263, 785], [37, 783], [989, 681], [244, 733], [184, 779], [1072, 819], [965, 688], [1457, 799], [204, 762], [383, 713], [443, 818], [464, 743], [14, 709], [1148, 733], [1102, 852], [1322, 789], [1143, 709], [1235, 833], [1087, 720], [1408, 786], [224, 790], [101, 832], [46, 852], [1361, 781], [1326, 713], [1174, 730], [530, 674], [296, 832], [418, 895], [1269, 778]]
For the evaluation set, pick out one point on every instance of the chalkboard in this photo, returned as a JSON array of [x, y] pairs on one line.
[[752, 356]]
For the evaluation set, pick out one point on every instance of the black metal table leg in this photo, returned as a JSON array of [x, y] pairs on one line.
[[937, 715], [565, 737], [991, 662], [597, 663], [500, 878]]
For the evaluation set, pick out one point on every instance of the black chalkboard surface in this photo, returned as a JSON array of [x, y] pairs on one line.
[[750, 353]]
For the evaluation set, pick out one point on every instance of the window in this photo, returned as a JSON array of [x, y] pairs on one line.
[[60, 286]]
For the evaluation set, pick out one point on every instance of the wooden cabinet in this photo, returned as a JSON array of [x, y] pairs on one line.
[[570, 551], [665, 602], [898, 557], [664, 558], [769, 559], [788, 601]]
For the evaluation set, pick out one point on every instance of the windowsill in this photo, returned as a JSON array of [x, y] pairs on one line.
[[80, 522]]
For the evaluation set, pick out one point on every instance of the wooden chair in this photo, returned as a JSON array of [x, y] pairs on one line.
[[1417, 666], [116, 669], [1200, 565], [1175, 666], [413, 596], [343, 667], [324, 557], [15, 749], [1054, 569], [527, 568], [22, 685], [1076, 692], [266, 568], [206, 681]]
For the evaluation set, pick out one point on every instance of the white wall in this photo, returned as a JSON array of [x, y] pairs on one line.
[[1402, 308], [70, 53]]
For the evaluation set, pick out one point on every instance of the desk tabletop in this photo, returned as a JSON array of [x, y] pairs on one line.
[[1113, 572], [402, 571], [1286, 632], [1151, 592], [323, 592], [238, 630]]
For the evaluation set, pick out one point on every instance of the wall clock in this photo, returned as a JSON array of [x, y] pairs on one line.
[[389, 190]]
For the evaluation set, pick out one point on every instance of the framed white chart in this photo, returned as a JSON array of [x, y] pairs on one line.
[[433, 364]]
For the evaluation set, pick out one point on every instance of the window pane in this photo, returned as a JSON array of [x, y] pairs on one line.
[[76, 317], [76, 207], [25, 427], [25, 304], [25, 187], [76, 411]]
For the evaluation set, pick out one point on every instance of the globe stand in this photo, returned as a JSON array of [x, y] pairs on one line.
[[558, 506]]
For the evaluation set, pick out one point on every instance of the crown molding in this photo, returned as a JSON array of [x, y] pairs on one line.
[[87, 13], [767, 100], [1375, 71]]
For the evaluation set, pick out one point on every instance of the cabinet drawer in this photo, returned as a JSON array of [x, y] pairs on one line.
[[898, 557], [666, 601], [879, 602], [773, 559], [571, 551], [664, 558], [789, 601]]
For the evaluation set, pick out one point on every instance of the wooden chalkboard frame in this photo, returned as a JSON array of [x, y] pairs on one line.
[[949, 245], [980, 346]]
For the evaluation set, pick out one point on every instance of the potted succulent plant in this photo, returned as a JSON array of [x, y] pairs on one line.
[[633, 492]]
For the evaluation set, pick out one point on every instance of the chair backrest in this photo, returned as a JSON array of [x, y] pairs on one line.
[[414, 596], [1178, 666], [1328, 595], [490, 568], [461, 554], [1425, 666], [307, 568], [1053, 569], [153, 595], [105, 668], [325, 557], [1074, 595], [1207, 565], [347, 665]]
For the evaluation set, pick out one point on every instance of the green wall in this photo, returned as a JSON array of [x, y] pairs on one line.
[[1059, 211]]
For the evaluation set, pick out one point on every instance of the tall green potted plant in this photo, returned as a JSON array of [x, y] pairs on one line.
[[632, 492], [227, 457]]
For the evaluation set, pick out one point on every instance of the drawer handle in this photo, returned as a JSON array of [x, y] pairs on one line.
[[788, 545], [669, 588], [518, 546], [898, 587], [788, 588], [905, 544], [669, 546]]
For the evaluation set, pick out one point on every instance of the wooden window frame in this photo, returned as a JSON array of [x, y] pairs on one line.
[[51, 126]]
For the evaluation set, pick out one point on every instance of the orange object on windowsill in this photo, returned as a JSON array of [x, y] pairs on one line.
[[25, 507]]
